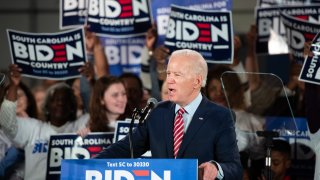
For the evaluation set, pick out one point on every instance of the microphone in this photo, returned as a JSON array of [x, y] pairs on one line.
[[142, 116], [152, 103]]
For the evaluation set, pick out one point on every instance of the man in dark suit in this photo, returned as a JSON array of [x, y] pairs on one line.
[[187, 126]]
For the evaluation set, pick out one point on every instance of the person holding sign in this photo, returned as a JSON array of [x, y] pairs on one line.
[[154, 62], [32, 134], [107, 105], [187, 126]]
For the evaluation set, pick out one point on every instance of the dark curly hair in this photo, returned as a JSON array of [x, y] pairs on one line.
[[70, 100]]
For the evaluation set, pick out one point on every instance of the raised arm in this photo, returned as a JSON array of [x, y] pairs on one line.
[[251, 63], [8, 119], [146, 54], [93, 45]]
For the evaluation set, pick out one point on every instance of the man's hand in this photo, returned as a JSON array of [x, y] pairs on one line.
[[210, 171]]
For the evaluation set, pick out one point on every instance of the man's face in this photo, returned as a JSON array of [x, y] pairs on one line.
[[183, 84]]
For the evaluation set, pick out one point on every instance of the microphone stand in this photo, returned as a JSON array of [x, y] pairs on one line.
[[136, 113], [268, 135]]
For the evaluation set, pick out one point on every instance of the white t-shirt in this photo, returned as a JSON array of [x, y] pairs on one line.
[[34, 135], [5, 144], [246, 126]]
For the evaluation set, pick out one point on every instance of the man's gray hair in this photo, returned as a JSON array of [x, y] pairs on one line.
[[199, 64]]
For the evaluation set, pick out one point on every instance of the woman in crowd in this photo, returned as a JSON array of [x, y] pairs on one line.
[[32, 134], [7, 158], [107, 105], [26, 103], [13, 161]]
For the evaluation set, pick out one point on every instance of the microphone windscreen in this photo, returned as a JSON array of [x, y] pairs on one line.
[[154, 101]]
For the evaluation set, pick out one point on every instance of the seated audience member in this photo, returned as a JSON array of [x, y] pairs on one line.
[[187, 126], [32, 134]]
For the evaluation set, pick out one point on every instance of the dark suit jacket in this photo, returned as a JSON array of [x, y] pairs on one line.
[[210, 136]]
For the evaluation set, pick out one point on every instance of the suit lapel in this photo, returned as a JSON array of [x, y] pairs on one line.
[[197, 121], [168, 129]]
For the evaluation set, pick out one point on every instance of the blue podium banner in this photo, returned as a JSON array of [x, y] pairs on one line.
[[130, 169]]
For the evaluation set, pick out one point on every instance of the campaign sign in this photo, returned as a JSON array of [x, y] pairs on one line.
[[122, 129], [130, 169], [268, 19], [161, 11], [288, 127], [268, 3], [124, 54], [298, 32], [311, 67], [72, 13], [73, 146], [208, 32], [119, 18], [48, 56]]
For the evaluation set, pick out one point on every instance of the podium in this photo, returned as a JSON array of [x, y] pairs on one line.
[[129, 169]]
